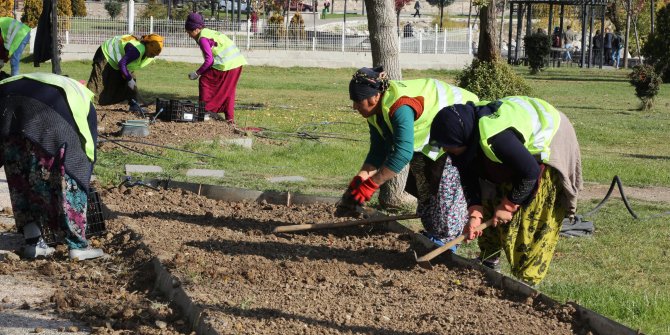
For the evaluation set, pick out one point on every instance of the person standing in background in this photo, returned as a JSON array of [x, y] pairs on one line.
[[417, 8], [220, 71], [14, 36]]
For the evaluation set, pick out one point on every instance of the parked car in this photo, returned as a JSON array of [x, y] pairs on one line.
[[227, 5], [300, 6]]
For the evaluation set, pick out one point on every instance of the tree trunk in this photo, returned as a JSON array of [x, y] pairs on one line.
[[487, 49], [384, 46], [441, 14]]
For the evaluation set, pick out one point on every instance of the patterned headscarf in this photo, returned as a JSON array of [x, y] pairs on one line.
[[153, 43], [194, 21], [367, 82]]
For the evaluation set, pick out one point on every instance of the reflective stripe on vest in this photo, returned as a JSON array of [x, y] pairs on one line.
[[79, 99], [114, 50], [534, 119], [227, 55], [13, 33], [435, 97]]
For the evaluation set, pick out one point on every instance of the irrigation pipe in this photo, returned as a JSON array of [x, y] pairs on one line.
[[133, 150], [154, 145], [617, 181]]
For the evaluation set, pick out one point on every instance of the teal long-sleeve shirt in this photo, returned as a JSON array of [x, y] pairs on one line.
[[393, 149]]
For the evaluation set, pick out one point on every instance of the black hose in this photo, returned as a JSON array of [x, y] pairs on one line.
[[135, 150], [154, 145], [616, 181]]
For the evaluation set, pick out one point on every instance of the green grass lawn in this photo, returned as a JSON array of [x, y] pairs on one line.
[[621, 272]]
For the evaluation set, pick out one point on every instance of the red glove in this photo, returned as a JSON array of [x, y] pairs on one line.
[[364, 191], [357, 181], [504, 212]]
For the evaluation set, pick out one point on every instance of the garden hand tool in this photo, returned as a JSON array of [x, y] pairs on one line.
[[424, 261], [314, 226]]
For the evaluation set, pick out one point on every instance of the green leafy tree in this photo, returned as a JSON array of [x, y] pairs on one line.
[[79, 8], [657, 50], [538, 48], [31, 12], [7, 8], [441, 4], [113, 8]]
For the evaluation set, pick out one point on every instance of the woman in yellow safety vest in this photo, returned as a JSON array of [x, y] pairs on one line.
[[14, 36], [112, 79], [399, 115], [220, 71], [48, 148], [520, 166]]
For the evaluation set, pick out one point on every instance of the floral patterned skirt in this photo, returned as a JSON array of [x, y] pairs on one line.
[[442, 205], [41, 191]]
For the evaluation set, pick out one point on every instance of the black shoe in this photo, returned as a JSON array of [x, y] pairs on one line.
[[492, 263]]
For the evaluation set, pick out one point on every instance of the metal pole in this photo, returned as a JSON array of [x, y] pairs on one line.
[[239, 13], [131, 16], [583, 53], [55, 57], [560, 56], [625, 42], [602, 36], [436, 38], [509, 35], [591, 19]]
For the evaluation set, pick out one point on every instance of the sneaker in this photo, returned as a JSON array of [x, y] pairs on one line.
[[38, 250], [439, 241], [491, 263], [86, 253]]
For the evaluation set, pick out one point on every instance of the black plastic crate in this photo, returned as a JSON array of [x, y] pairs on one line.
[[180, 110], [95, 222]]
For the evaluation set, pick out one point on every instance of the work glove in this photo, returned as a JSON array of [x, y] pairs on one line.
[[132, 84], [504, 212], [475, 216], [193, 75], [347, 206], [364, 191]]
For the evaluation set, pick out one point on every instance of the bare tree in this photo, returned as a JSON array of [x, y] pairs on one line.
[[384, 45], [487, 49]]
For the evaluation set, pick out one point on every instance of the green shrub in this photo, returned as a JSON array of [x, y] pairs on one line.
[[647, 84], [79, 8], [657, 51], [158, 11], [538, 48], [31, 12], [113, 8], [491, 80], [7, 8]]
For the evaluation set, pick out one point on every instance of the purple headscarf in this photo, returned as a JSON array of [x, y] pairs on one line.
[[194, 21]]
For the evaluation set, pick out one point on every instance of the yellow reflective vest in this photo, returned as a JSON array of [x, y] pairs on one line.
[[79, 99], [534, 119], [227, 55], [13, 33], [436, 95], [114, 50]]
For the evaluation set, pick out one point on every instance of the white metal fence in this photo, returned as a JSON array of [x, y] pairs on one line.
[[93, 31]]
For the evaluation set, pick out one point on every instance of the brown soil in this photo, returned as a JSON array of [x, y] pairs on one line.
[[351, 280], [112, 295], [163, 133]]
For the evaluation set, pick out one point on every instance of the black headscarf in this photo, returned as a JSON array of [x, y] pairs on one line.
[[367, 82], [457, 126]]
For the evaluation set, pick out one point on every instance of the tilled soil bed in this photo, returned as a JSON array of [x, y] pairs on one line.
[[163, 133], [345, 281]]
